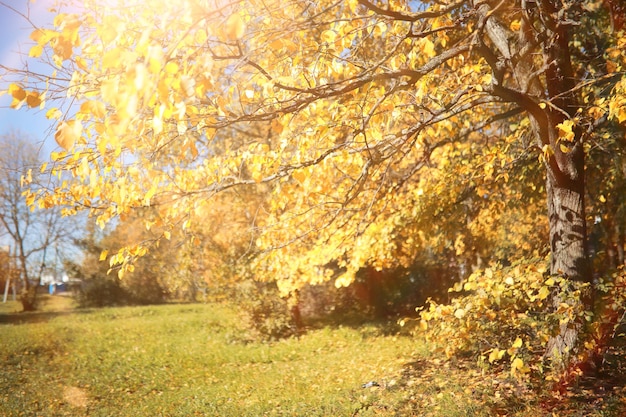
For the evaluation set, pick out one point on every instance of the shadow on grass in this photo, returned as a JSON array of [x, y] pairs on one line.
[[32, 317], [48, 307], [386, 326]]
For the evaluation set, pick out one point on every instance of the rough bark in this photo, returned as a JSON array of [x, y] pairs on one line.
[[568, 231], [565, 183], [530, 83]]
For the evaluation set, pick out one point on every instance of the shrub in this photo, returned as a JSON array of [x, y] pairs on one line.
[[504, 317], [102, 292], [269, 316], [144, 287], [108, 290]]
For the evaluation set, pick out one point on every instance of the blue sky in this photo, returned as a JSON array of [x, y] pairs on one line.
[[14, 44]]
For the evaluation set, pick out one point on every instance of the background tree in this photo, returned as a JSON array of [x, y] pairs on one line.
[[205, 261], [33, 233], [376, 115], [101, 285]]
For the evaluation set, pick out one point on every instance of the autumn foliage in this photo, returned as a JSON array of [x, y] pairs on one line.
[[341, 137], [502, 316]]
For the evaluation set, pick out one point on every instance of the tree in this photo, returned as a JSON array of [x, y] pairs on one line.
[[206, 258], [365, 117], [100, 287], [33, 232]]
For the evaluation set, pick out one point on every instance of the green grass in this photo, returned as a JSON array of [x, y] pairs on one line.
[[186, 360], [197, 360]]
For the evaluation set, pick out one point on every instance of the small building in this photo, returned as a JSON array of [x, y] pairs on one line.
[[54, 280]]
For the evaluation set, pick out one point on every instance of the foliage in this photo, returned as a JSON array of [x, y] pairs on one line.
[[204, 261], [269, 316], [101, 288], [503, 318], [361, 118], [102, 292], [369, 135]]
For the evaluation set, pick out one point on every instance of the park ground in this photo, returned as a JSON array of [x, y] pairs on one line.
[[202, 360]]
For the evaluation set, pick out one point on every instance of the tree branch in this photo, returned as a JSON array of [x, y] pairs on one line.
[[409, 17]]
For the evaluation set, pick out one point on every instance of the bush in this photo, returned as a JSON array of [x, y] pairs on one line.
[[143, 287], [504, 317], [269, 316], [108, 290], [102, 292], [375, 295]]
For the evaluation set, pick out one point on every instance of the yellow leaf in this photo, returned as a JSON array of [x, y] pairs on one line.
[[68, 133], [547, 151], [299, 176], [54, 113], [621, 114], [104, 254], [544, 292], [515, 25], [98, 109], [38, 34], [17, 92], [235, 27], [82, 64], [28, 178], [167, 235], [565, 130], [257, 176], [496, 354], [277, 44], [33, 99], [151, 192], [35, 51], [380, 28], [518, 343], [111, 58], [171, 67], [517, 364], [329, 36], [427, 47]]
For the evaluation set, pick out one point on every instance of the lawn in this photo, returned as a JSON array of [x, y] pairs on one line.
[[197, 360]]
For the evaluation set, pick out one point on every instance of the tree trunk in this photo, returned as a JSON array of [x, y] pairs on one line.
[[619, 243], [564, 156], [568, 230], [568, 235], [565, 184], [28, 295], [28, 298]]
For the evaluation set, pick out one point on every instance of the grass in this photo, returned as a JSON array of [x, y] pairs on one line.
[[195, 360]]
